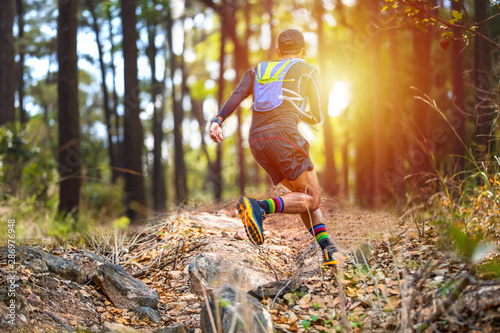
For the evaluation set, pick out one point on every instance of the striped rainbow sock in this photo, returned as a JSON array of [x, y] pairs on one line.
[[319, 232], [271, 206]]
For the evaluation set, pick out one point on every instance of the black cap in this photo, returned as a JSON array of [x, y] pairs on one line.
[[291, 41]]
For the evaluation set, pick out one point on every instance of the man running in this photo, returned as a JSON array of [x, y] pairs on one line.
[[280, 90]]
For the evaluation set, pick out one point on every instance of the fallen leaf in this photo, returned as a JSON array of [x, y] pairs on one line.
[[305, 299]]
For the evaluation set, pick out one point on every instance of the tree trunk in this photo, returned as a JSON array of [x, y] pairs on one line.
[[20, 67], [105, 95], [241, 65], [119, 154], [330, 177], [159, 188], [179, 165], [70, 160], [345, 157], [380, 119], [458, 120], [482, 69], [272, 45], [398, 171], [7, 63], [133, 135], [419, 151], [220, 100]]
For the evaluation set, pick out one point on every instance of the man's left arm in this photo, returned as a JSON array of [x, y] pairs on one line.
[[314, 97]]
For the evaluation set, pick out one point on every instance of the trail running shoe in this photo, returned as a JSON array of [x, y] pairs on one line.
[[328, 260], [252, 215]]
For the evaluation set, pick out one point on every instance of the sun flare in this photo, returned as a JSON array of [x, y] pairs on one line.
[[340, 98]]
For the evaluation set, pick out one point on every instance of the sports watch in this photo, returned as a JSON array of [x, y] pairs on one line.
[[218, 121]]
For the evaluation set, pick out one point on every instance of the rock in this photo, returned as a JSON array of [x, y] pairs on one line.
[[239, 312], [219, 223], [144, 312], [50, 283], [65, 268], [118, 328], [206, 270], [176, 329], [272, 289], [240, 234], [93, 256], [122, 289], [174, 274], [225, 234], [33, 299]]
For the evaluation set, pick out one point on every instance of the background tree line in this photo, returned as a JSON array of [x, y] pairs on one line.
[[105, 104]]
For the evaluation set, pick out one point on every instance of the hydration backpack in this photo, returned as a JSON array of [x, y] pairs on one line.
[[268, 85]]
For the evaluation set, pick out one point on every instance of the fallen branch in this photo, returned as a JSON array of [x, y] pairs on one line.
[[59, 321], [143, 272]]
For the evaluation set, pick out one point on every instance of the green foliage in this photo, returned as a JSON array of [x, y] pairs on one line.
[[306, 324], [103, 199], [470, 222]]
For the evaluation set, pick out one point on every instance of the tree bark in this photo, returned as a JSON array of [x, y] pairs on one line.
[[220, 96], [105, 95], [179, 165], [133, 134], [482, 69], [22, 55], [397, 110], [70, 160], [119, 154], [272, 45], [458, 120], [7, 63], [419, 151], [241, 65], [330, 176], [380, 119], [159, 188]]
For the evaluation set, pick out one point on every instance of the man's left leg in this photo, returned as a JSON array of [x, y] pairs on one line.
[[304, 200]]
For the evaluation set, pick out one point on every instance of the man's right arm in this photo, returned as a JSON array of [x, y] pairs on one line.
[[243, 90]]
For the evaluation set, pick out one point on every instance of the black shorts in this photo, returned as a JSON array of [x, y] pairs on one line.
[[283, 154]]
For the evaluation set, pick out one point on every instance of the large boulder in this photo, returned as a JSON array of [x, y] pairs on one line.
[[208, 270], [122, 289], [65, 268], [234, 311]]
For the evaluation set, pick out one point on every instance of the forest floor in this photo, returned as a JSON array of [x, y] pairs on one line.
[[392, 277]]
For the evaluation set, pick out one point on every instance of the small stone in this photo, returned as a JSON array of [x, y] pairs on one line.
[[33, 299], [225, 234], [273, 288], [240, 234], [174, 274], [146, 313]]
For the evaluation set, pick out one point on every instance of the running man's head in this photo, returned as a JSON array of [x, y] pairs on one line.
[[291, 44]]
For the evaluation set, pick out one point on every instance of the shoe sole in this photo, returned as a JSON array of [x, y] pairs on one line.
[[330, 263], [249, 221]]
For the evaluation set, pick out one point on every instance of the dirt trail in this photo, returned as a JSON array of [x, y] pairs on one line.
[[356, 297]]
